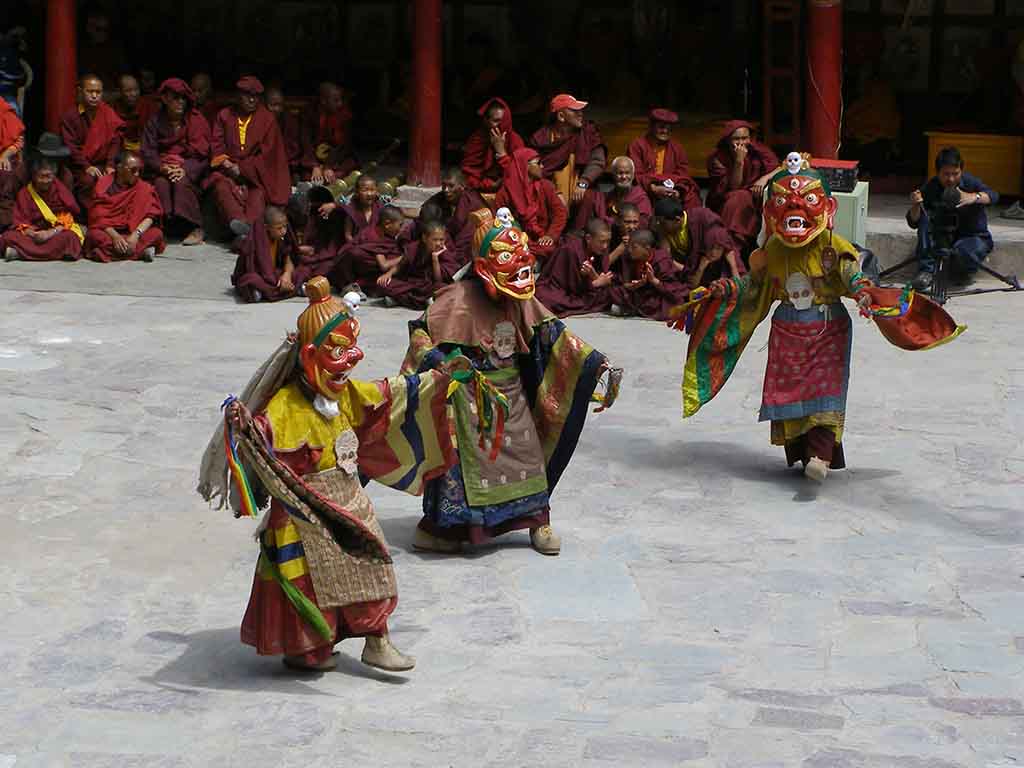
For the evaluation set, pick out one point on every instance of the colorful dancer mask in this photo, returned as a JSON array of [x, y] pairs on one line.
[[503, 259], [328, 333], [799, 206]]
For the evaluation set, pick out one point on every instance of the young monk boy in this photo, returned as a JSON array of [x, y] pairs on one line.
[[412, 281], [648, 286], [576, 279], [362, 210], [372, 253], [265, 267], [44, 219]]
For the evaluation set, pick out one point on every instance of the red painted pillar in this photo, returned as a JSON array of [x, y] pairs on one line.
[[425, 131], [823, 86], [61, 69]]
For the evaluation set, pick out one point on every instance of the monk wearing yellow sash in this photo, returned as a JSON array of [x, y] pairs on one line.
[[44, 227]]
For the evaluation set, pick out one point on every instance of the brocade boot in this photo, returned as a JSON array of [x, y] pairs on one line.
[[426, 542], [545, 540], [380, 653], [816, 469]]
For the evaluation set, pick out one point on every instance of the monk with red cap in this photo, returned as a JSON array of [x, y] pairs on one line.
[[250, 164], [533, 201], [739, 168], [494, 137], [662, 168], [176, 151], [12, 141], [123, 217], [571, 149], [93, 132]]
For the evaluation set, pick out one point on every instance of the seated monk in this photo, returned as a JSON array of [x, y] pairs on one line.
[[662, 168], [176, 150], [44, 219], [456, 202], [362, 209], [12, 141], [122, 219], [373, 252], [327, 137], [265, 268], [626, 223], [648, 286], [739, 169], [534, 203], [576, 279], [698, 243], [571, 149], [323, 237], [290, 130], [494, 136], [412, 281], [92, 131], [202, 89], [250, 166], [133, 111], [605, 205]]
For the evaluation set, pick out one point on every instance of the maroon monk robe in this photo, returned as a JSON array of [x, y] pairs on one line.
[[93, 142], [291, 133], [479, 166], [359, 219], [674, 165], [740, 212], [11, 181], [586, 146], [334, 130], [707, 232], [358, 260], [259, 267], [122, 209], [563, 289], [647, 300], [64, 245], [135, 120], [326, 237], [263, 165], [460, 228], [535, 204], [413, 284], [187, 146], [605, 206]]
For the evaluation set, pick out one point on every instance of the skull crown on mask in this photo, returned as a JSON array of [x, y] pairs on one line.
[[798, 208]]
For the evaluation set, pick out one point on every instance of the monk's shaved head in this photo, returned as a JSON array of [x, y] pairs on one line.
[[390, 214], [365, 181], [274, 215], [331, 97], [628, 208], [125, 156], [89, 77], [91, 88], [597, 227], [454, 175], [201, 87], [643, 237]]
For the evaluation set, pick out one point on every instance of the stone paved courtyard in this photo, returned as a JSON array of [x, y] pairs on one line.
[[708, 608]]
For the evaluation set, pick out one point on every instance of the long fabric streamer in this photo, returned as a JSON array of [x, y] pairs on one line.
[[235, 466]]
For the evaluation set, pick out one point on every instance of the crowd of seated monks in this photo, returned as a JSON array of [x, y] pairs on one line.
[[625, 235]]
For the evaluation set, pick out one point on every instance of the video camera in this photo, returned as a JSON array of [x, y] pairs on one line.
[[942, 220]]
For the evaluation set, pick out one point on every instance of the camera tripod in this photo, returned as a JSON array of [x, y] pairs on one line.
[[939, 292]]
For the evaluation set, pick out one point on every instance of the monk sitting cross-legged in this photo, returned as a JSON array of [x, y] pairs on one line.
[[373, 252], [412, 281], [576, 279], [265, 268], [605, 205], [626, 223], [122, 219], [44, 219], [92, 131], [326, 137], [12, 141], [250, 164], [698, 242], [457, 201], [362, 210], [534, 203], [649, 285], [176, 150], [662, 168], [480, 152], [739, 169], [323, 237]]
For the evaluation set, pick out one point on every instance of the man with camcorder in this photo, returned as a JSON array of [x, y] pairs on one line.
[[949, 215]]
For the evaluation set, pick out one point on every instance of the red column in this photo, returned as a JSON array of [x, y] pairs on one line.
[[61, 60], [425, 131], [823, 86]]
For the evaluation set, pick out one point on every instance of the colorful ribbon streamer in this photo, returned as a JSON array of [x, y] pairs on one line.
[[237, 471]]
